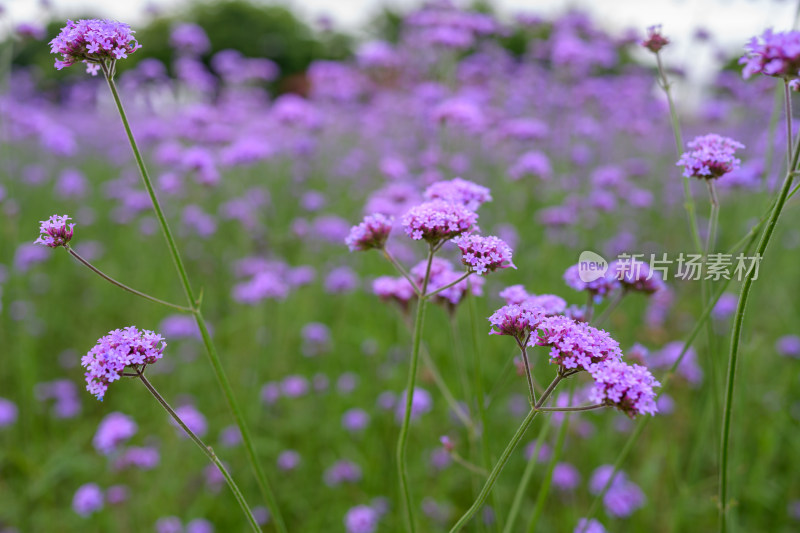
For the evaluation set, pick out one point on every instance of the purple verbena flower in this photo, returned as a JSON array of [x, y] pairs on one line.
[[515, 320], [590, 526], [8, 412], [88, 499], [710, 157], [575, 345], [393, 289], [421, 403], [369, 234], [629, 388], [437, 220], [597, 288], [288, 460], [141, 457], [113, 430], [355, 420], [342, 472], [361, 519], [113, 353], [169, 524], [565, 477], [55, 231], [199, 525], [93, 41], [514, 294], [634, 275], [655, 41], [194, 420], [773, 54], [483, 254], [469, 194], [788, 346]]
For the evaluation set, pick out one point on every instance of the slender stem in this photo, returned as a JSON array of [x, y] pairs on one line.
[[544, 489], [501, 463], [445, 390], [206, 450], [469, 466], [524, 349], [440, 289], [611, 308], [676, 132], [111, 280], [787, 95], [736, 333], [526, 477], [263, 483], [572, 409], [589, 307], [389, 257], [402, 441]]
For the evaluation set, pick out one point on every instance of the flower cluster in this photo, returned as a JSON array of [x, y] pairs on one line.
[[515, 320], [597, 288], [113, 353], [483, 254], [655, 41], [629, 388], [549, 304], [636, 276], [113, 430], [438, 220], [575, 345], [55, 231], [710, 157], [371, 233], [773, 54], [393, 289], [458, 191], [443, 274], [93, 41], [623, 496]]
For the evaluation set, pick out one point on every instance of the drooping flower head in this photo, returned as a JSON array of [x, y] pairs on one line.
[[438, 220], [113, 353], [575, 345], [93, 41], [371, 233], [773, 54], [655, 41], [55, 231], [629, 388], [710, 157], [469, 194], [484, 254], [636, 276]]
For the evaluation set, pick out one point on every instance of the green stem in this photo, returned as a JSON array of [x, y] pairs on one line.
[[572, 409], [475, 469], [111, 280], [402, 441], [676, 132], [216, 364], [440, 289], [611, 308], [526, 478], [389, 257], [524, 350], [737, 330], [206, 450], [445, 390], [501, 463]]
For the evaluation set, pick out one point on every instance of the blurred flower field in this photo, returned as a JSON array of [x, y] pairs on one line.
[[307, 223]]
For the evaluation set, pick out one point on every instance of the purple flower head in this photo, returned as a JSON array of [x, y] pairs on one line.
[[590, 526], [669, 354], [93, 41], [113, 353], [342, 472], [655, 41], [483, 254], [288, 460], [575, 345], [514, 294], [550, 304], [169, 524], [117, 494], [88, 499], [199, 525], [636, 276], [788, 346], [421, 403], [393, 289], [340, 280], [141, 457], [515, 320], [598, 288], [270, 393], [725, 307], [355, 420], [361, 519], [629, 388], [534, 164], [194, 420], [347, 382], [437, 220], [8, 412], [113, 430], [294, 386], [773, 54], [316, 339], [566, 477], [710, 157], [190, 38], [55, 231], [458, 191], [371, 233]]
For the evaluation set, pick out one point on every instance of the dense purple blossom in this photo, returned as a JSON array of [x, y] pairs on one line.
[[393, 289], [115, 352], [294, 386], [483, 254], [438, 220], [93, 41], [340, 280], [8, 412], [629, 388], [88, 499], [688, 368], [361, 519], [565, 477], [710, 157], [575, 345], [369, 234], [514, 294], [623, 496], [515, 320], [459, 191], [773, 54], [55, 232], [637, 276], [114, 429]]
